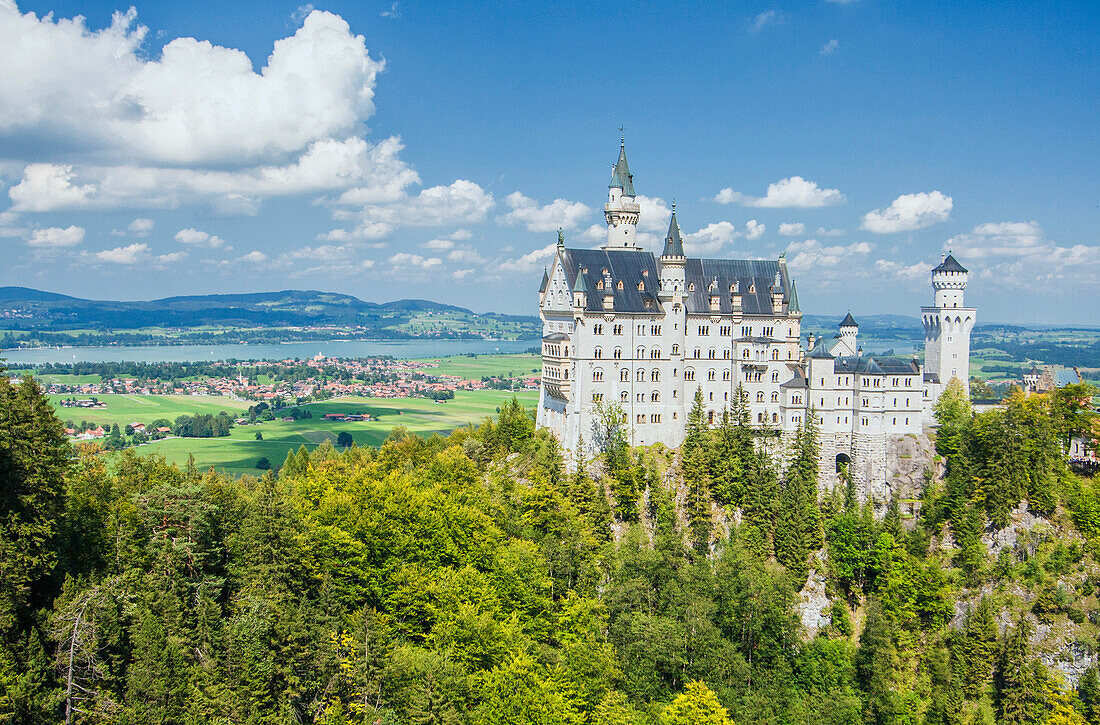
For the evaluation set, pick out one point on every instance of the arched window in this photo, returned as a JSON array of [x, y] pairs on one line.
[[654, 397], [775, 397], [624, 375], [641, 353], [640, 376], [618, 353], [775, 418], [775, 354], [745, 354], [710, 375], [655, 375], [689, 374], [698, 352], [775, 377], [725, 374], [710, 354], [655, 353], [597, 375], [760, 397], [675, 349], [624, 396], [597, 329], [597, 353]]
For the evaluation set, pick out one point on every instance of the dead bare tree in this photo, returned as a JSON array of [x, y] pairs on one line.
[[78, 659]]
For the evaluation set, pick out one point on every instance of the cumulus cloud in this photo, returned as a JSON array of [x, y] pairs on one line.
[[713, 237], [531, 261], [57, 237], [45, 187], [812, 255], [909, 212], [130, 254], [140, 227], [468, 256], [461, 202], [405, 259], [439, 244], [199, 238], [792, 192], [546, 218], [753, 229], [1018, 254], [792, 229], [254, 257], [830, 47]]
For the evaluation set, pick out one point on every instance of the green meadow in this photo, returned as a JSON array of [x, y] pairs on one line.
[[237, 453], [123, 409], [475, 367]]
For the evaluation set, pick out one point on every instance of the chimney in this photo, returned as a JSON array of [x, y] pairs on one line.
[[735, 295]]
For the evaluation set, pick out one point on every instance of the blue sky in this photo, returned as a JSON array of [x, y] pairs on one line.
[[431, 149]]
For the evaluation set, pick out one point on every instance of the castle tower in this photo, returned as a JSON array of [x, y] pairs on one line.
[[621, 210], [849, 332], [672, 260], [947, 326]]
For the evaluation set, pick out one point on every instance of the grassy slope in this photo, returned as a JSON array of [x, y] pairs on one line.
[[479, 366], [123, 409]]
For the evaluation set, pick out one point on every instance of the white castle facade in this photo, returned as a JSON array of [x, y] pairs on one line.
[[623, 326]]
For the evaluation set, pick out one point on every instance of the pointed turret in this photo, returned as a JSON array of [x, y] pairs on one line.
[[621, 178], [545, 280], [793, 306], [849, 321], [580, 290], [674, 243]]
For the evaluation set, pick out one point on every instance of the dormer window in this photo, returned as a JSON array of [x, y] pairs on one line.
[[645, 272], [641, 286], [599, 284], [619, 285], [691, 287], [752, 289]]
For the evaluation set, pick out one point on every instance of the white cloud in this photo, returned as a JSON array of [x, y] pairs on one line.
[[812, 255], [792, 229], [830, 47], [163, 260], [461, 273], [461, 202], [404, 259], [438, 244], [199, 238], [792, 192], [1018, 254], [909, 212], [823, 232], [907, 272], [130, 254], [753, 229], [48, 186], [57, 237], [713, 237], [197, 102], [531, 261], [393, 12], [140, 227], [558, 213], [460, 235], [8, 225], [468, 256], [768, 17], [254, 257]]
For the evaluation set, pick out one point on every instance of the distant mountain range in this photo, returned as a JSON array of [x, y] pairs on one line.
[[22, 308]]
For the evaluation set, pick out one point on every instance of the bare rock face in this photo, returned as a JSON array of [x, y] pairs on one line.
[[813, 605], [907, 459]]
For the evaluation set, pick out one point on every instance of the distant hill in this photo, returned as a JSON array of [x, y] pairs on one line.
[[22, 308]]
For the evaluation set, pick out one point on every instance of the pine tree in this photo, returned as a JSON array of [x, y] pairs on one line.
[[1018, 684], [876, 663]]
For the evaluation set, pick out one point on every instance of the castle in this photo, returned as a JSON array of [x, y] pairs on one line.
[[623, 326]]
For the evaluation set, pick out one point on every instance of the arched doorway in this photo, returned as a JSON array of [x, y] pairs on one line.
[[843, 460]]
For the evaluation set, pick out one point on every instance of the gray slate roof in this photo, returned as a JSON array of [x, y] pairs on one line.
[[849, 321], [625, 265], [949, 264], [872, 365], [746, 272]]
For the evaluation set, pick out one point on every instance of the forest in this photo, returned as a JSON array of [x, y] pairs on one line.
[[474, 579]]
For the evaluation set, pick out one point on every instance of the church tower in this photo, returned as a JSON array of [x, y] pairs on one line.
[[947, 326], [621, 210]]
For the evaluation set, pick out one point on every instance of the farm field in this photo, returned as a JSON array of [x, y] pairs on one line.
[[123, 409], [237, 453], [475, 367]]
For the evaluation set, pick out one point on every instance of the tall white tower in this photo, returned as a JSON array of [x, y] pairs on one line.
[[672, 260], [947, 326], [621, 209]]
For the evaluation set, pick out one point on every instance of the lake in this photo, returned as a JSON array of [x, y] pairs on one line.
[[402, 349]]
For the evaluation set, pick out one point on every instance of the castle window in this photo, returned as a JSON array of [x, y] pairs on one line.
[[895, 402], [619, 284], [759, 417], [906, 421], [640, 377], [725, 374], [724, 330], [641, 353], [597, 397], [697, 353], [654, 397], [775, 397], [710, 375], [710, 354], [675, 349], [597, 353], [760, 397], [641, 286], [655, 376], [775, 354], [655, 418], [725, 354], [775, 377], [745, 353], [746, 331], [775, 418], [689, 374], [599, 284], [655, 353], [624, 396], [618, 354], [597, 375], [797, 399], [597, 329], [640, 397], [710, 417], [865, 403], [655, 330], [691, 287], [617, 330], [624, 375], [641, 417], [752, 289], [645, 272]]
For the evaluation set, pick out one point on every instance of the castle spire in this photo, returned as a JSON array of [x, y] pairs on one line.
[[674, 243], [622, 209]]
